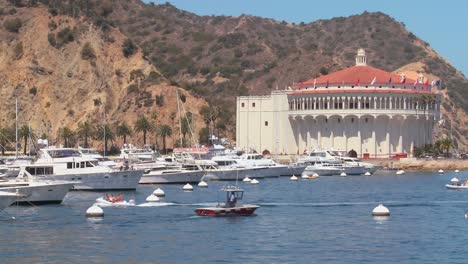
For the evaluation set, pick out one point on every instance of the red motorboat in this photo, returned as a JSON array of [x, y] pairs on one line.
[[232, 207]]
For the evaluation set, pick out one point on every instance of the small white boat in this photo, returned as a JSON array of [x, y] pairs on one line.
[[101, 201], [455, 186]]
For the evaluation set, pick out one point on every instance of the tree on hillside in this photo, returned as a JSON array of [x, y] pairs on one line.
[[154, 116], [186, 125], [25, 132], [164, 131], [123, 130], [7, 135], [67, 135], [129, 48], [106, 133], [173, 117], [446, 144], [85, 130], [143, 125]]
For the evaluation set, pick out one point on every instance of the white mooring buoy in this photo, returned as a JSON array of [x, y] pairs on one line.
[[187, 187], [293, 178], [152, 198], [457, 171], [203, 184], [305, 176], [440, 171], [254, 181], [343, 174], [381, 210], [400, 172], [95, 211], [246, 179], [159, 192], [367, 173]]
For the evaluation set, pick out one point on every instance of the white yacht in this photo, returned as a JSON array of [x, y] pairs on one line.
[[94, 154], [257, 160], [324, 163], [38, 191], [357, 162], [164, 174], [86, 173], [235, 171], [129, 151], [7, 198]]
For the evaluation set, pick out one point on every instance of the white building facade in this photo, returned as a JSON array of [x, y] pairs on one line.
[[378, 114]]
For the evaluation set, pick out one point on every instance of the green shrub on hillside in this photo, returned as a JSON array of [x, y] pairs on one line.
[[129, 48], [87, 52], [13, 25]]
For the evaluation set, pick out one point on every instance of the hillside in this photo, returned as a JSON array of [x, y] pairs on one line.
[[218, 58], [83, 77]]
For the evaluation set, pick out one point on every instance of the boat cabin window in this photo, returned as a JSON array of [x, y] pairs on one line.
[[319, 154], [63, 153], [40, 170]]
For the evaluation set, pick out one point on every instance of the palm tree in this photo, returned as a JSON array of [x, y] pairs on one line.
[[173, 117], [25, 132], [447, 143], [143, 125], [6, 136], [124, 130], [105, 133], [154, 116], [85, 130], [186, 125], [164, 131], [67, 136]]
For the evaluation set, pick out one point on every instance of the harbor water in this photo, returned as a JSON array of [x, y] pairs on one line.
[[327, 220]]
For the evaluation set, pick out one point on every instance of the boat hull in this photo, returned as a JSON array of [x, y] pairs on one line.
[[233, 174], [244, 210], [177, 177], [6, 199], [456, 187], [322, 171], [41, 193], [102, 181], [294, 170]]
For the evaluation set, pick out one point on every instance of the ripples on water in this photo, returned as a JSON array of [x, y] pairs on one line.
[[327, 220]]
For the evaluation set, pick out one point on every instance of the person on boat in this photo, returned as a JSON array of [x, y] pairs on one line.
[[232, 200]]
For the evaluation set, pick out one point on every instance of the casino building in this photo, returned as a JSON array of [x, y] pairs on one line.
[[376, 113]]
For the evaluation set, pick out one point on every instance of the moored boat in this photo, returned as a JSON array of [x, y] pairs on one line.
[[232, 206]]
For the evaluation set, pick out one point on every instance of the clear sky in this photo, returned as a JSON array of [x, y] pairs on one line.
[[443, 24]]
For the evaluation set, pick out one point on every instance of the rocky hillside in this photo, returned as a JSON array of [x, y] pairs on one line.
[[66, 70], [218, 58]]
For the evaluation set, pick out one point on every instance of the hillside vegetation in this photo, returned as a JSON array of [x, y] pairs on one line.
[[217, 58]]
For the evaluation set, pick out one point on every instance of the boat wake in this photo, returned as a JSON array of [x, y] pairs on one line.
[[155, 204]]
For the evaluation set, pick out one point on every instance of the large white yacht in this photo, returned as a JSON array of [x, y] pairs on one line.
[[29, 182], [174, 174], [274, 169], [86, 173], [94, 154], [129, 151], [325, 163], [357, 162]]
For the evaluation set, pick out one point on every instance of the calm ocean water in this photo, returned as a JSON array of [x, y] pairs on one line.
[[327, 220]]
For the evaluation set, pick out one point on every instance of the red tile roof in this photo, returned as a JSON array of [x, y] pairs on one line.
[[361, 91], [356, 74]]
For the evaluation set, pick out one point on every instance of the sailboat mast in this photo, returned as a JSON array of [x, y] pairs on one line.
[[104, 129], [16, 128], [180, 118]]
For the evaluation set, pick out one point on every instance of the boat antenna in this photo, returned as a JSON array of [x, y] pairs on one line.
[[180, 117], [104, 128], [16, 128]]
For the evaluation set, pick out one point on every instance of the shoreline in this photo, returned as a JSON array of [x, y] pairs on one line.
[[422, 164]]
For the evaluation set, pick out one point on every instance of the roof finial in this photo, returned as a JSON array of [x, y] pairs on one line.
[[361, 59]]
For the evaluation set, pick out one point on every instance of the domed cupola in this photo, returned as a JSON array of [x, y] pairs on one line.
[[361, 59]]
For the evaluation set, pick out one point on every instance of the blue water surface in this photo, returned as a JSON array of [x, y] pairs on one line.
[[327, 220]]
